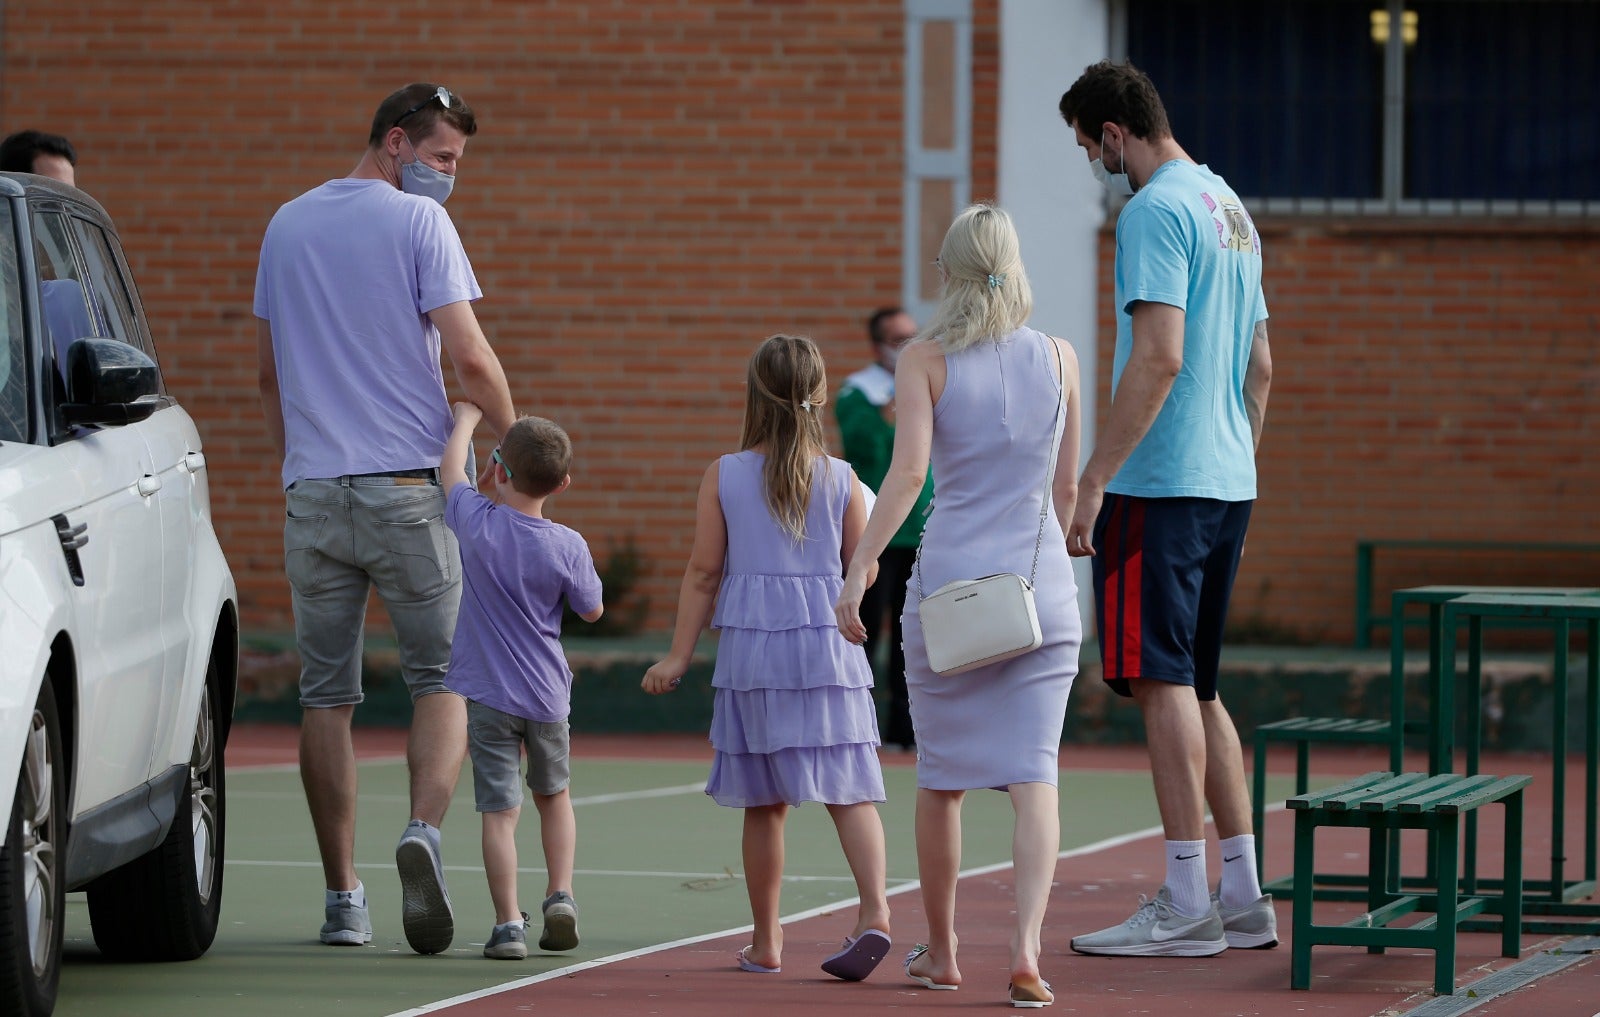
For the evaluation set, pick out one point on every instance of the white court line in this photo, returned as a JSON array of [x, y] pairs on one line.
[[572, 969], [530, 870], [605, 799]]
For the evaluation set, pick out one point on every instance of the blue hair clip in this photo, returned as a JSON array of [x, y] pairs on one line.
[[996, 281]]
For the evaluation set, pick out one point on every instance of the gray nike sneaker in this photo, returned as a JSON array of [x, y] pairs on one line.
[[425, 903], [1155, 930], [560, 922], [1252, 927], [508, 942], [346, 924]]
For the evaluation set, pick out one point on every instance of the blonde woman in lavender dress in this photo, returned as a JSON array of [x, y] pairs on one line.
[[979, 393], [793, 716]]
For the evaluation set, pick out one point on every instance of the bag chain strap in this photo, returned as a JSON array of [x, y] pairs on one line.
[[1049, 475]]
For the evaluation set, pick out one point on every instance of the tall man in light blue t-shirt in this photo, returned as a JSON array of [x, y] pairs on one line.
[[362, 284], [1165, 499]]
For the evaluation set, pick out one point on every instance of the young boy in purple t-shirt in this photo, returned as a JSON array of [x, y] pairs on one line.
[[506, 661]]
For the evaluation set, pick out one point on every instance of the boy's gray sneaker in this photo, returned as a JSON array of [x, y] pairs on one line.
[[560, 922], [425, 903], [1155, 930], [346, 924], [1253, 927], [508, 942]]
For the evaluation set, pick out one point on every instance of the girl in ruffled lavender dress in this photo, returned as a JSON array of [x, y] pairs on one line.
[[794, 720]]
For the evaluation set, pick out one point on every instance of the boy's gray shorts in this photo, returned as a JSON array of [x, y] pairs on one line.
[[494, 740]]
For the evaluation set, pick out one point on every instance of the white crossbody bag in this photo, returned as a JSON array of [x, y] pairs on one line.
[[969, 623]]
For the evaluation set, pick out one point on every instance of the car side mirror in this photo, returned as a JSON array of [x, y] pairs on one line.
[[109, 382]]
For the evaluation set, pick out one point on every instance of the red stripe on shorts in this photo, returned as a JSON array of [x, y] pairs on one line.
[[1122, 542], [1131, 585]]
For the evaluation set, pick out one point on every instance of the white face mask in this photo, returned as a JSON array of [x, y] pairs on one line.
[[417, 177], [1116, 183]]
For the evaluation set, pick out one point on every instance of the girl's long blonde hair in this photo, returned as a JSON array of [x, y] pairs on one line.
[[784, 393], [986, 293]]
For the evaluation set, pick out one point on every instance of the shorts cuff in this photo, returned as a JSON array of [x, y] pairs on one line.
[[500, 806], [433, 690], [329, 702]]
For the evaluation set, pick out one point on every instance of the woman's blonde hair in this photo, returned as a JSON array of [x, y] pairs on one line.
[[986, 293], [784, 393]]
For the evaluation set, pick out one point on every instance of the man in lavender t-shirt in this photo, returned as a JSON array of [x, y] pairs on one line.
[[507, 660], [362, 285]]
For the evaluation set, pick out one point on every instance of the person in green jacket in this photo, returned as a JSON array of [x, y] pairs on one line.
[[865, 409]]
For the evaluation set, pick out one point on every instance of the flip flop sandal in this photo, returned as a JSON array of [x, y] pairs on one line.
[[1028, 996], [858, 957], [746, 964], [918, 951]]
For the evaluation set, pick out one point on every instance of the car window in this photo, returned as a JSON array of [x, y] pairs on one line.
[[149, 344], [13, 354], [63, 299], [110, 296]]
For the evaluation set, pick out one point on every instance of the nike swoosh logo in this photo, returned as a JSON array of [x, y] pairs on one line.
[[1184, 858], [1161, 935], [1235, 858]]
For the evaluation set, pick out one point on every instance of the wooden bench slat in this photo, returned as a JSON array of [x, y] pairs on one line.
[[1446, 787], [1491, 792], [1314, 799], [1406, 787], [1331, 728]]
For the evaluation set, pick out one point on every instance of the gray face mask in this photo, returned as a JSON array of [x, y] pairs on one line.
[[1116, 183], [417, 177]]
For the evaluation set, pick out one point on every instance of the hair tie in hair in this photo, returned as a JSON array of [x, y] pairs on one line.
[[996, 281], [805, 404]]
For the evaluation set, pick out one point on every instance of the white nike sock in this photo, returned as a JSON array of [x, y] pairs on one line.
[[1240, 887], [1186, 877]]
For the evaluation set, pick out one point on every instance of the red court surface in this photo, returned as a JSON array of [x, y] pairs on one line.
[[1094, 890]]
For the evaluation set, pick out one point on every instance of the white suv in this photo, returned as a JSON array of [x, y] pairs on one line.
[[118, 615]]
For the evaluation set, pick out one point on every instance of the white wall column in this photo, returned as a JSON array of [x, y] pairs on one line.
[[1044, 179]]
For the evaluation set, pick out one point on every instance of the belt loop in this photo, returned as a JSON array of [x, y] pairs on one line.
[[344, 481]]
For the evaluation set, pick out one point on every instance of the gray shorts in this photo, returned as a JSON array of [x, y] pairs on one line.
[[345, 536], [495, 740]]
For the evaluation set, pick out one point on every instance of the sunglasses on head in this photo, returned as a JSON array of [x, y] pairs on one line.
[[495, 455], [441, 93]]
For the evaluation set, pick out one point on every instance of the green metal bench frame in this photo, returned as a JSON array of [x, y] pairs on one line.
[[1386, 803], [1564, 896], [1366, 553]]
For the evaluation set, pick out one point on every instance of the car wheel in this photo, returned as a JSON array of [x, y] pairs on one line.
[[32, 890], [165, 905]]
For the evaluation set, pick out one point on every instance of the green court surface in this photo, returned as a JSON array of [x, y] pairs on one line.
[[657, 862]]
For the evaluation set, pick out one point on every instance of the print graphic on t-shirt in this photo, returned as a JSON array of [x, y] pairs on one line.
[[1235, 230]]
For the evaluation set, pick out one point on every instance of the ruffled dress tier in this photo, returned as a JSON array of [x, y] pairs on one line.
[[793, 716]]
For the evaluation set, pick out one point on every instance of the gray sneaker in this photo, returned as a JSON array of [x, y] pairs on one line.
[[425, 903], [1155, 930], [508, 942], [346, 924], [560, 922], [1252, 927]]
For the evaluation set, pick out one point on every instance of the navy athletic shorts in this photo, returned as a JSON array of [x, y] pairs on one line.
[[1163, 572]]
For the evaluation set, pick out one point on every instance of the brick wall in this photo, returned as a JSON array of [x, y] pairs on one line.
[[657, 185], [1431, 379]]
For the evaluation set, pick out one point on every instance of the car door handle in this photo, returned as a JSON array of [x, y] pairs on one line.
[[149, 484], [194, 462]]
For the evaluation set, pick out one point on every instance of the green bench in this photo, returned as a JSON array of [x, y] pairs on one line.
[[1392, 731], [1385, 803]]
